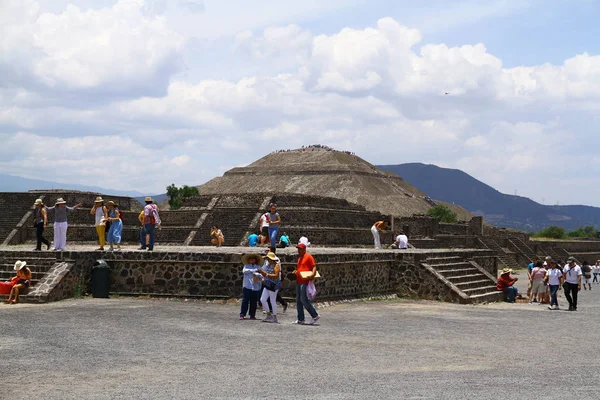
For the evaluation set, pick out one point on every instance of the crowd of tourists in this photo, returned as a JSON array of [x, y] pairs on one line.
[[108, 221], [546, 278], [261, 285]]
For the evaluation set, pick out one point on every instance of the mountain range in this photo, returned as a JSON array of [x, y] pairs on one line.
[[498, 209]]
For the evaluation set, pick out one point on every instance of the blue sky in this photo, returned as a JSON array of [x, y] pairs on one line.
[[180, 91]]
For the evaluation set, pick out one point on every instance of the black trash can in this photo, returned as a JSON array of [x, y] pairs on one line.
[[100, 279]]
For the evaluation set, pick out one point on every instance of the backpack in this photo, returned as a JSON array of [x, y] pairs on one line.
[[121, 215]]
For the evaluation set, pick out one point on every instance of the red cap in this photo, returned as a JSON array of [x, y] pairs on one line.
[[301, 246]]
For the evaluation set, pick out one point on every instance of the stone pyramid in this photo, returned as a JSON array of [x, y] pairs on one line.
[[321, 171]]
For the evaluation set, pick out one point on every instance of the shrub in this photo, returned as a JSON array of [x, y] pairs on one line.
[[443, 214], [177, 195], [552, 232]]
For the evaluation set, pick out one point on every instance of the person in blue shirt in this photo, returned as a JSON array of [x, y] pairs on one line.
[[253, 240], [284, 241]]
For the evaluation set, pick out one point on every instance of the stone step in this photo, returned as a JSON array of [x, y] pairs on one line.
[[492, 296], [449, 273], [467, 278], [453, 265], [7, 275], [434, 261], [479, 290], [472, 284]]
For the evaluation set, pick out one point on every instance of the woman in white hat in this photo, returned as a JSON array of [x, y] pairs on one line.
[[40, 221], [271, 286], [60, 210], [101, 214], [23, 280]]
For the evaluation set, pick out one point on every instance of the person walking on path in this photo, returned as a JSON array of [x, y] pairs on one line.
[[143, 236], [530, 268], [274, 221], [554, 279], [572, 273], [116, 226], [377, 227], [151, 220], [271, 286], [505, 284], [100, 212], [40, 221], [305, 271], [251, 284], [596, 271], [586, 269], [60, 210], [279, 298], [538, 284]]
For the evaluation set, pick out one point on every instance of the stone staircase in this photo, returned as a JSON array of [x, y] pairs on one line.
[[233, 222], [471, 282], [39, 262], [13, 207], [507, 260]]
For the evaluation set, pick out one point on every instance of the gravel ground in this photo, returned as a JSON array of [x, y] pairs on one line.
[[159, 349]]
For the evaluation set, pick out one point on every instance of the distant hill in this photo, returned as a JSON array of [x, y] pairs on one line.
[[10, 183], [499, 209]]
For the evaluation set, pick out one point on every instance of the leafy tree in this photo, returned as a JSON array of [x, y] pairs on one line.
[[443, 214], [552, 232], [584, 232], [178, 195]]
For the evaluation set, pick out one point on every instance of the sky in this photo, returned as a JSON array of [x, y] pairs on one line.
[[139, 94]]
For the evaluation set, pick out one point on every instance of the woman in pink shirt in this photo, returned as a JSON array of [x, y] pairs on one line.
[[538, 286]]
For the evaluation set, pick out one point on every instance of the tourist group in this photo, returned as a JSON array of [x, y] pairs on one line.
[[400, 241], [547, 277]]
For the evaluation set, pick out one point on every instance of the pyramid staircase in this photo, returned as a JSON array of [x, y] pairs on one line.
[[506, 259], [470, 282]]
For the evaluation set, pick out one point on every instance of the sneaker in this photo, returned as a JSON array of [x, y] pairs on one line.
[[297, 322], [534, 301], [242, 318], [274, 319], [268, 318], [253, 318], [111, 249], [149, 249], [118, 249], [551, 308], [264, 311], [284, 308], [142, 248], [314, 320]]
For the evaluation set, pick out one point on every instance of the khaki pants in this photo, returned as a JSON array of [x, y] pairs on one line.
[[100, 229]]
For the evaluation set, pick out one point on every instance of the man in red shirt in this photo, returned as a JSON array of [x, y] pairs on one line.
[[505, 284], [305, 272]]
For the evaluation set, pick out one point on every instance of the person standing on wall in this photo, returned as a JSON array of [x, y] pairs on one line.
[[306, 264], [151, 220], [143, 236], [61, 225], [116, 226], [100, 212], [572, 273], [263, 229], [274, 222], [379, 226], [40, 221]]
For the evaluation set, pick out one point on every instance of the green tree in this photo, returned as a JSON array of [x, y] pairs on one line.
[[552, 232], [443, 214], [178, 195], [584, 232]]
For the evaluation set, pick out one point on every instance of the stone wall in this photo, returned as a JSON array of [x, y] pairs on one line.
[[571, 246], [453, 229], [417, 226]]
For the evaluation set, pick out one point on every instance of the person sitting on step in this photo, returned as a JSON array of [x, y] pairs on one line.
[[23, 280], [506, 283]]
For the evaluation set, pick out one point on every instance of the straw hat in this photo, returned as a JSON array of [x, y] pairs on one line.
[[246, 257], [38, 202], [19, 265], [271, 256], [60, 201], [110, 203], [506, 271], [98, 199], [148, 199]]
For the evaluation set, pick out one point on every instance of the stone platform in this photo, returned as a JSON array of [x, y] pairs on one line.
[[454, 275]]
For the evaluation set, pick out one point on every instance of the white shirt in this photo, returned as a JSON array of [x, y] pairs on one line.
[[595, 268], [554, 275], [402, 241], [99, 215], [263, 221], [573, 275]]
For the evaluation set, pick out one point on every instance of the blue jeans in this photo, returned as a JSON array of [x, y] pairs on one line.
[[303, 302], [510, 293], [553, 298], [249, 298], [273, 232], [143, 237], [150, 230]]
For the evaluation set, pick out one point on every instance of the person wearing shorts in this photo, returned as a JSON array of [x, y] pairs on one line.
[[538, 286], [264, 230]]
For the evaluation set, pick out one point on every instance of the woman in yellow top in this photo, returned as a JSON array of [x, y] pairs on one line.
[[23, 280], [377, 227], [219, 238]]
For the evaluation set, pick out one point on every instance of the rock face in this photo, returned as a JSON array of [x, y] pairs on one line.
[[324, 172]]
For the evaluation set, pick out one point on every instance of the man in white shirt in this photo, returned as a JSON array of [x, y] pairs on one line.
[[572, 273], [401, 241]]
